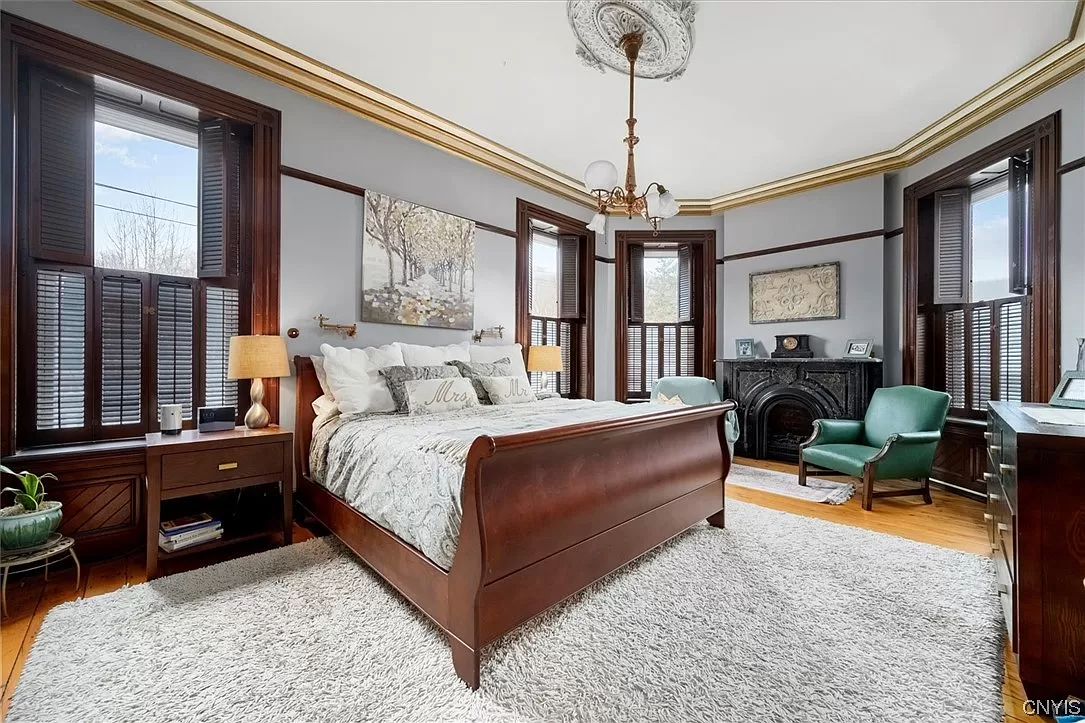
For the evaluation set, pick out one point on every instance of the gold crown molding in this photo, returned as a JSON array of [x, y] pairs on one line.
[[191, 26]]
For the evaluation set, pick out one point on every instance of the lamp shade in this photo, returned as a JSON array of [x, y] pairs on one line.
[[598, 223], [544, 359], [668, 207], [257, 357], [600, 176]]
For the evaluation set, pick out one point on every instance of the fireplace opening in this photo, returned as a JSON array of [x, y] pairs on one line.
[[788, 424]]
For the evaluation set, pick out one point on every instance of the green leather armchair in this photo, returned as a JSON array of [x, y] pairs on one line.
[[896, 440]]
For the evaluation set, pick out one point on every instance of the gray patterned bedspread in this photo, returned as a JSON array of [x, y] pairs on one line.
[[406, 472]]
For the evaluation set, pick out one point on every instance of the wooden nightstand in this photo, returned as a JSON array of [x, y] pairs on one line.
[[192, 464]]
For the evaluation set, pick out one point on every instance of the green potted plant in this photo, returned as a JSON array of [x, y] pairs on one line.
[[31, 519]]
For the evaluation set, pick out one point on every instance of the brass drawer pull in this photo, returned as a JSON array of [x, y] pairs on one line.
[[995, 448], [988, 516], [994, 497], [227, 465], [988, 436], [989, 477], [1006, 468], [1003, 527]]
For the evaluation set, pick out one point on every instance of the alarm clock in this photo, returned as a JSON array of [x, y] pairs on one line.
[[793, 346]]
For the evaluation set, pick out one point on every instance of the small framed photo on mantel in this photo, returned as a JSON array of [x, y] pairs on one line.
[[859, 348], [1070, 392], [745, 349]]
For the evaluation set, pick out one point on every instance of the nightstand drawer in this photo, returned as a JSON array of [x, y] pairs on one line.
[[184, 469]]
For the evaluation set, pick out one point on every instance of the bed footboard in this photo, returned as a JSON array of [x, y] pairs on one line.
[[547, 513]]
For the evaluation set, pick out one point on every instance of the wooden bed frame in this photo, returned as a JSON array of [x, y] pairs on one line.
[[545, 514]]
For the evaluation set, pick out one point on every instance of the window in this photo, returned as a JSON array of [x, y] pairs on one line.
[[554, 295], [132, 267], [972, 334]]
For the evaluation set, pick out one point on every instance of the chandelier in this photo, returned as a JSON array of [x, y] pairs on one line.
[[601, 177]]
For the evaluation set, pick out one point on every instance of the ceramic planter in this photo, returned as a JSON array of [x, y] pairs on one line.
[[31, 528]]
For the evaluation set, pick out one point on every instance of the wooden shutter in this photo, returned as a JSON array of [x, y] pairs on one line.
[[952, 233], [1019, 231], [582, 378], [219, 200], [568, 276], [687, 351], [1011, 343], [565, 340], [635, 282], [922, 350], [955, 357], [120, 334], [634, 361], [60, 130], [220, 323], [685, 283], [980, 360], [61, 311], [175, 302]]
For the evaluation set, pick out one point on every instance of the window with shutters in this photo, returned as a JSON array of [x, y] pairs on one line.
[[131, 273], [557, 299], [972, 325]]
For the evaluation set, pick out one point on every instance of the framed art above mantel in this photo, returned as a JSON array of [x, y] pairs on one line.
[[803, 293]]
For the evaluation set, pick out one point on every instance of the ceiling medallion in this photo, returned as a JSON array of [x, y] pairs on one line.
[[667, 26]]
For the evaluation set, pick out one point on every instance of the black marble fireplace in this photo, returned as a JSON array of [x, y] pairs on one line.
[[778, 399]]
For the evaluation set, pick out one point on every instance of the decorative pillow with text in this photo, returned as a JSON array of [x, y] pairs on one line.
[[397, 378], [476, 370], [508, 390], [430, 396]]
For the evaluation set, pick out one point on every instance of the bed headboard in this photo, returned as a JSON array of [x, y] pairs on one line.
[[307, 391]]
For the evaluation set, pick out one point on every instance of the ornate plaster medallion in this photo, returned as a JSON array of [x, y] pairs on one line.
[[667, 27]]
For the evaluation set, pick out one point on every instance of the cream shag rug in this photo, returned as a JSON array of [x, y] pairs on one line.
[[816, 490], [777, 618]]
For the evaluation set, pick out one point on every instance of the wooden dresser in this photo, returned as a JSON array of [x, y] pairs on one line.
[[1036, 523]]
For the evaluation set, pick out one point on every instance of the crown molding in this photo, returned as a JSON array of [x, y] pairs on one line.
[[193, 27]]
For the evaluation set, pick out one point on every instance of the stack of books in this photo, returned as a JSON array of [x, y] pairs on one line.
[[185, 532]]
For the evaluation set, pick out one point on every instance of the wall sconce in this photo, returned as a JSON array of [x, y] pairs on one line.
[[343, 329], [494, 332]]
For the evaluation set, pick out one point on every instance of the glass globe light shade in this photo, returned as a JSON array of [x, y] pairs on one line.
[[651, 203], [598, 223], [600, 176], [668, 207]]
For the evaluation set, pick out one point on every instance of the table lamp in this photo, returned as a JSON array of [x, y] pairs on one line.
[[544, 359], [256, 358]]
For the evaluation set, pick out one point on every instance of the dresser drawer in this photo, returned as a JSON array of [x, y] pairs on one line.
[[184, 469]]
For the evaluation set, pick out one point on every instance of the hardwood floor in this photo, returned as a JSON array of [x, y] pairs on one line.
[[952, 521]]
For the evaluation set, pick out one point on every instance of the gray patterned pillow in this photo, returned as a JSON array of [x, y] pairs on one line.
[[476, 370], [398, 376]]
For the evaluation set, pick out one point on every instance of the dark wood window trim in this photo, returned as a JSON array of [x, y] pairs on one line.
[[525, 211], [1041, 140], [705, 242], [22, 41]]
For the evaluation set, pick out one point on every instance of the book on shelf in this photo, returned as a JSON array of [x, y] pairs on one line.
[[185, 524], [188, 539]]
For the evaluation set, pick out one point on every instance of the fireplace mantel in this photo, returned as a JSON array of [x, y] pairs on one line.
[[778, 399]]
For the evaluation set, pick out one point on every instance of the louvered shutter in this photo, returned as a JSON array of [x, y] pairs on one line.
[[569, 276], [219, 200], [668, 363], [1019, 231], [583, 390], [955, 357], [652, 357], [635, 282], [60, 334], [981, 357], [634, 361], [922, 350], [685, 283], [175, 302], [60, 129], [952, 231], [1011, 340], [120, 330], [687, 351], [220, 323], [565, 340]]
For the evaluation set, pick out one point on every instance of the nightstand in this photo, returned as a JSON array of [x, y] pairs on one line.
[[191, 464]]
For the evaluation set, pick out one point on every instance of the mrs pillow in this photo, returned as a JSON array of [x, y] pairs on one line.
[[508, 390], [430, 396], [354, 378]]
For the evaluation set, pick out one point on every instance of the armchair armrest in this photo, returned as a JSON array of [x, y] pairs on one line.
[[914, 437], [835, 431], [907, 455]]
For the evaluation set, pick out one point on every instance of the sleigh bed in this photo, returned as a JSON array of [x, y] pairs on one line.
[[544, 514]]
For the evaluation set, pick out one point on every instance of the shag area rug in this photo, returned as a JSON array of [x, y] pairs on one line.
[[777, 618], [780, 483]]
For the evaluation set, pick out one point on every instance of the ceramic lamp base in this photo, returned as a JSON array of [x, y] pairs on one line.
[[257, 417]]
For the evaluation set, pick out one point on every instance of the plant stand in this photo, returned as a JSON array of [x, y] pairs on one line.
[[57, 544]]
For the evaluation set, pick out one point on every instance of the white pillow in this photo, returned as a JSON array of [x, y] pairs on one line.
[[355, 380], [321, 376], [430, 396], [417, 355], [508, 390], [492, 353], [325, 409]]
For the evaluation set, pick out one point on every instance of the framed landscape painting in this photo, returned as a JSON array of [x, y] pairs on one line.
[[805, 293], [418, 265]]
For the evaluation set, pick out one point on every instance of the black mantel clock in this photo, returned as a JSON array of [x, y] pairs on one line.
[[793, 346]]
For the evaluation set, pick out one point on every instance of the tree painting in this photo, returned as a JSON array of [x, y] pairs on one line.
[[418, 265]]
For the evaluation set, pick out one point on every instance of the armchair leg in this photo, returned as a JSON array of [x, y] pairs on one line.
[[927, 490], [868, 487], [802, 470]]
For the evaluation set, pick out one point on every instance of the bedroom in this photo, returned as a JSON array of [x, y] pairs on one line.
[[357, 202]]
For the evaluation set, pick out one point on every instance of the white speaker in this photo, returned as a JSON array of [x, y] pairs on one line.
[[171, 419]]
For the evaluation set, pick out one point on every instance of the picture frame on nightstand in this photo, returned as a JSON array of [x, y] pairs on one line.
[[1070, 392]]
